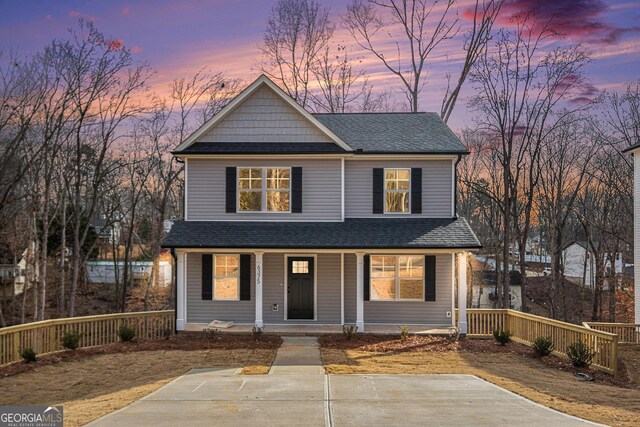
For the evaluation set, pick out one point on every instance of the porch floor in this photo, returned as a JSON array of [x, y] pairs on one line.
[[314, 330]]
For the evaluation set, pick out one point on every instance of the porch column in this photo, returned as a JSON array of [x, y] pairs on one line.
[[462, 293], [360, 291], [181, 303], [259, 322]]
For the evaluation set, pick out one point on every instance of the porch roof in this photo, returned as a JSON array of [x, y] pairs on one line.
[[353, 233]]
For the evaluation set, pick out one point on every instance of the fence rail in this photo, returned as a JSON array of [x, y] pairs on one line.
[[46, 336], [525, 328], [628, 333]]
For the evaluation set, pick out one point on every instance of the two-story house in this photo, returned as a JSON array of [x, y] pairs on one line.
[[293, 218]]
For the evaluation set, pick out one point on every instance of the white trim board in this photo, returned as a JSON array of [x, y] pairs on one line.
[[246, 93]]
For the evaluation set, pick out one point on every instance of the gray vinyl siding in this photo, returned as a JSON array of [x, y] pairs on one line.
[[264, 117], [403, 312], [321, 187], [328, 293], [437, 187], [205, 311], [350, 288]]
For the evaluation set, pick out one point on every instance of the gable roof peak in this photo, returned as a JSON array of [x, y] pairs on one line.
[[262, 80]]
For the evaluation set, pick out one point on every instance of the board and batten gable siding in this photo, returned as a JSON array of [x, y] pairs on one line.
[[437, 187], [264, 117], [321, 189], [205, 311], [402, 312]]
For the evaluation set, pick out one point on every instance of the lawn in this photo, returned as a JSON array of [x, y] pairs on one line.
[[93, 382], [549, 381]]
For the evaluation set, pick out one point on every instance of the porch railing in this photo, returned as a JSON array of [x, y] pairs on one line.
[[628, 333], [525, 328], [46, 336]]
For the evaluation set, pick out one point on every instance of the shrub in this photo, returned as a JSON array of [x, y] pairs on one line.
[[349, 331], [211, 333], [256, 333], [71, 340], [28, 355], [404, 333], [167, 333], [126, 333], [543, 346], [502, 336], [580, 354]]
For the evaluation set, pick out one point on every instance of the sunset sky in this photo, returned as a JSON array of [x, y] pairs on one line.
[[177, 38]]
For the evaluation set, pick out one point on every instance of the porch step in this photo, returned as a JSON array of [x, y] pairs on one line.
[[297, 355]]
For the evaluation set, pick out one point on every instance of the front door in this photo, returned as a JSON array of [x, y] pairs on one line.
[[300, 298]]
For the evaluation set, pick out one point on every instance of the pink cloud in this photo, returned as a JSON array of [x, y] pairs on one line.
[[136, 49], [74, 13], [126, 10]]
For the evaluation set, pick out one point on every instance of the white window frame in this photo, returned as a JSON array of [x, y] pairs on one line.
[[396, 278], [263, 194], [408, 212], [213, 281]]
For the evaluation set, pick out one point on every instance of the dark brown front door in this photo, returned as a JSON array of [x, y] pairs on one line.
[[300, 298]]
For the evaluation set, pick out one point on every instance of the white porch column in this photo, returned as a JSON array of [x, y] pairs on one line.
[[259, 322], [181, 288], [462, 293], [360, 291]]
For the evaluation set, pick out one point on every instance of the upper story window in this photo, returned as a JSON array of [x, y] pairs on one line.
[[396, 278], [264, 189], [226, 277], [397, 185]]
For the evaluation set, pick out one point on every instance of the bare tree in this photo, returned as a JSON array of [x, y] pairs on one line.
[[297, 33], [485, 13], [424, 24], [518, 87]]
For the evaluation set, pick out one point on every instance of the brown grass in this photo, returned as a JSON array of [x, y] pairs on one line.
[[90, 385], [548, 381]]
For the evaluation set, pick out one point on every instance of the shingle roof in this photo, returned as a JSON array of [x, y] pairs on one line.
[[633, 147], [262, 148], [363, 233], [394, 132]]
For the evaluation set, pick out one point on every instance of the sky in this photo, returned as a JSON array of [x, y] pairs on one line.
[[177, 38]]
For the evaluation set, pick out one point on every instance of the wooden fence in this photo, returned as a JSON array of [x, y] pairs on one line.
[[628, 333], [46, 336], [525, 328]]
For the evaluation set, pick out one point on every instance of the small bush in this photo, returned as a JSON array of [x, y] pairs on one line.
[[167, 333], [501, 336], [28, 355], [126, 333], [71, 340], [349, 331], [211, 333], [543, 346], [256, 333], [580, 354], [404, 333]]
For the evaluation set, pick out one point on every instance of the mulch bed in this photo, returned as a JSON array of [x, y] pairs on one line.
[[187, 341], [425, 344]]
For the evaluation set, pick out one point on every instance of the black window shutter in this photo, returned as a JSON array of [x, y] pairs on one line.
[[231, 190], [366, 277], [245, 277], [416, 190], [207, 276], [378, 190], [430, 278], [296, 190]]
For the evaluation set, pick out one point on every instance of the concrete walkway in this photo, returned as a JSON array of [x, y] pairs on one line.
[[221, 397], [298, 356]]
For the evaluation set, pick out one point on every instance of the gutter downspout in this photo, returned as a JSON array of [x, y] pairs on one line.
[[455, 186]]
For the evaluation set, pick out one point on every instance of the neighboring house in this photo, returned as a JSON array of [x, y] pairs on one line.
[[106, 233], [580, 266], [635, 152], [484, 290], [104, 272], [14, 277], [324, 219]]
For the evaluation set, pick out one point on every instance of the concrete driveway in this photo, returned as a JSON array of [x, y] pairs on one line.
[[224, 398]]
